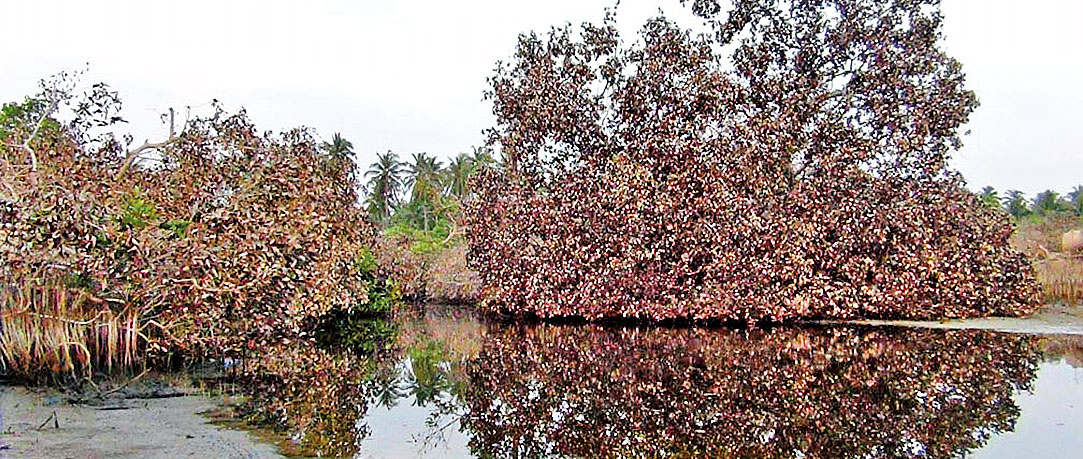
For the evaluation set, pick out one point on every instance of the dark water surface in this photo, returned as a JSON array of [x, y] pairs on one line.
[[460, 387]]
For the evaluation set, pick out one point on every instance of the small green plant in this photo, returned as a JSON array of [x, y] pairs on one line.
[[383, 295], [365, 263], [423, 242], [138, 213], [80, 281], [102, 240], [178, 227]]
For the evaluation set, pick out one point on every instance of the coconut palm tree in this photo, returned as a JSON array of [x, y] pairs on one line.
[[385, 183], [389, 389], [428, 377], [423, 174], [458, 175], [425, 178], [1047, 202], [1076, 199], [990, 197], [483, 159], [338, 149], [1016, 203]]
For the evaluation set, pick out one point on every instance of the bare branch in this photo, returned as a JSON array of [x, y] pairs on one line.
[[54, 102], [455, 231], [133, 154]]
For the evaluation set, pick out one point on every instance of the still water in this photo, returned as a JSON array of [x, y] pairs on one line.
[[455, 386]]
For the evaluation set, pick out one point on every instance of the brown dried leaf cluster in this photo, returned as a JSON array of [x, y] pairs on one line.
[[226, 238], [441, 277], [790, 164]]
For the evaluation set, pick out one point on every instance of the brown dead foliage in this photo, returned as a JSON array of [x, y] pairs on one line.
[[225, 237], [804, 177], [450, 280]]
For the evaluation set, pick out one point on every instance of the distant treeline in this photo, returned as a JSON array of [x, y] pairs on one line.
[[1047, 202], [416, 205]]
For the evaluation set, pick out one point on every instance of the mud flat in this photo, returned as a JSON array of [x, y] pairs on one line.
[[168, 426], [1050, 320]]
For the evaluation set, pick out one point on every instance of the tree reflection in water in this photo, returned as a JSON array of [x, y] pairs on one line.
[[1066, 348], [827, 392], [593, 391], [317, 396]]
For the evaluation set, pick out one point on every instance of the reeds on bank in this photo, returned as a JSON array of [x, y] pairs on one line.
[[53, 330], [1060, 273], [1061, 278]]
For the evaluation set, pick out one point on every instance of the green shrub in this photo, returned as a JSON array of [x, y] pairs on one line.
[[423, 241], [137, 213], [354, 332], [178, 227], [365, 263]]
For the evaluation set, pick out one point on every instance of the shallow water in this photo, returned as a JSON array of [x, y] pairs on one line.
[[459, 387]]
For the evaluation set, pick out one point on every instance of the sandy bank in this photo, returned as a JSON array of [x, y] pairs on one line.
[[127, 428]]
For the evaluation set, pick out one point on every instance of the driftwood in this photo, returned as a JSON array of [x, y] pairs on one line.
[[56, 421]]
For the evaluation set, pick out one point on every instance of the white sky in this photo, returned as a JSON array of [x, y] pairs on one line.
[[409, 76]]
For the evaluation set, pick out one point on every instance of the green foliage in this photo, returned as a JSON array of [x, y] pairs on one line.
[[423, 241], [338, 149], [1075, 200], [383, 295], [1048, 202], [425, 176], [1044, 204], [18, 117], [428, 378], [137, 213], [365, 263], [990, 198], [11, 116], [384, 185], [179, 227], [80, 281], [1016, 204], [363, 335], [364, 327], [458, 175], [102, 240], [431, 352]]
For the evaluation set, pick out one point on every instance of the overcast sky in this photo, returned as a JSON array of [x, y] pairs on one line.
[[409, 76]]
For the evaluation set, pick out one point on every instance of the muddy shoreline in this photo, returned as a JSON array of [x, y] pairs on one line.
[[42, 423], [1050, 320]]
